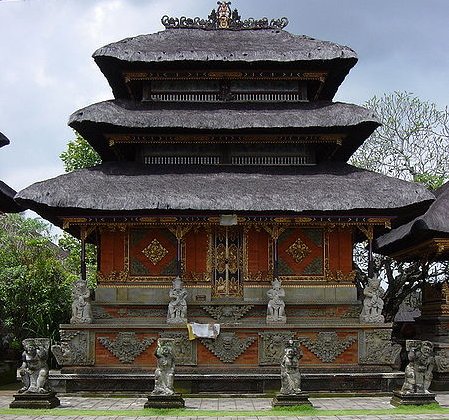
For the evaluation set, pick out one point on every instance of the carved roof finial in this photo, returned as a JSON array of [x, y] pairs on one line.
[[223, 18]]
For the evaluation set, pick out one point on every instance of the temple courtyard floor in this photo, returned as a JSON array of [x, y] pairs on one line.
[[131, 408]]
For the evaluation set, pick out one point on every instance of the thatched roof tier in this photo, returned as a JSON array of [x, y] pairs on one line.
[[213, 50], [434, 223], [7, 203], [3, 140], [117, 116], [121, 187]]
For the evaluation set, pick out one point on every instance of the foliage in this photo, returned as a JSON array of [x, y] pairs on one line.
[[79, 154], [72, 263], [412, 144], [35, 291]]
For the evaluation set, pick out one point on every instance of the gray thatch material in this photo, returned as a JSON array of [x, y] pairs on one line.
[[130, 187], [7, 203], [434, 223], [3, 140], [196, 46], [314, 117]]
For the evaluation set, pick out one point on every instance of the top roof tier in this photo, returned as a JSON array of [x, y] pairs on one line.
[[213, 45]]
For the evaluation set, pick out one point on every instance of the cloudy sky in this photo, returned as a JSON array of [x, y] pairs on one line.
[[47, 72]]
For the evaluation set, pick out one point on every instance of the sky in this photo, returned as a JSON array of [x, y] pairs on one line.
[[47, 71]]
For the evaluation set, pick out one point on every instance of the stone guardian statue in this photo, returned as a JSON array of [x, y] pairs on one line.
[[163, 394], [34, 368], [177, 307], [36, 392], [291, 393], [276, 305], [290, 375], [418, 375], [81, 303], [373, 302]]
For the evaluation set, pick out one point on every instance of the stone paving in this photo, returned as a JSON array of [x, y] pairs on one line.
[[238, 404]]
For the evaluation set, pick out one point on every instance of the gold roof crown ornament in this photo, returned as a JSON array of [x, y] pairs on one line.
[[223, 18]]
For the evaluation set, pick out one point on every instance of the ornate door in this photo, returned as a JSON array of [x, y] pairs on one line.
[[227, 259]]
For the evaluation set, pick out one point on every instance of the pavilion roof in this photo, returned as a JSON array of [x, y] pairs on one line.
[[116, 116], [172, 48], [3, 140], [121, 187], [7, 203], [434, 223]]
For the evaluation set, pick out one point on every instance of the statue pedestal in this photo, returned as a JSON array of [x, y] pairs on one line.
[[165, 401], [281, 400], [47, 400], [402, 398]]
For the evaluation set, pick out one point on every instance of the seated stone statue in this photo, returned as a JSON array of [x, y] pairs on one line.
[[81, 303], [290, 375], [373, 303], [418, 373], [34, 368], [276, 305], [165, 370], [177, 307]]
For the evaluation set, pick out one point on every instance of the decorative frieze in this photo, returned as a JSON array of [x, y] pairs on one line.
[[74, 349], [271, 346], [228, 346], [376, 348], [226, 314], [126, 347], [184, 349], [328, 346]]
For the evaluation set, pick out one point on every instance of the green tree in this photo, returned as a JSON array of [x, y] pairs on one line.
[[79, 154], [35, 291], [412, 144]]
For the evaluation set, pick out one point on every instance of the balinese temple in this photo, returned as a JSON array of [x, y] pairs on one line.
[[7, 203], [225, 163], [426, 239]]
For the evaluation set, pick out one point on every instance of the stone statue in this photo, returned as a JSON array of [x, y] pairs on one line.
[[177, 307], [81, 303], [373, 303], [276, 305], [290, 375], [418, 373], [165, 371], [34, 369]]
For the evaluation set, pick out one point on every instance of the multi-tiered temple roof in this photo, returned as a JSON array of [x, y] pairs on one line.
[[239, 119]]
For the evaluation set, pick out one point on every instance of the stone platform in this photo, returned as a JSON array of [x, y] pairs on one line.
[[44, 401], [165, 401], [291, 400], [402, 398], [225, 383]]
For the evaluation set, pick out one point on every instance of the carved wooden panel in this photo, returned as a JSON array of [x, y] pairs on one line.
[[258, 255], [301, 253], [197, 255]]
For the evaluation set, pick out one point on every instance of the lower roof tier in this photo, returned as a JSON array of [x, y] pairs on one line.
[[128, 187], [407, 240], [97, 122]]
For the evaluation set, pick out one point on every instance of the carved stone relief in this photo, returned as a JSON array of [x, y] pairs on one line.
[[126, 347], [271, 346], [184, 349], [74, 349], [228, 313], [442, 361], [227, 346], [376, 348], [327, 346]]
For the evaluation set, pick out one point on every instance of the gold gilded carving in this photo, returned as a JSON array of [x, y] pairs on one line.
[[298, 250], [233, 258], [339, 276], [220, 257], [155, 251], [113, 277]]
